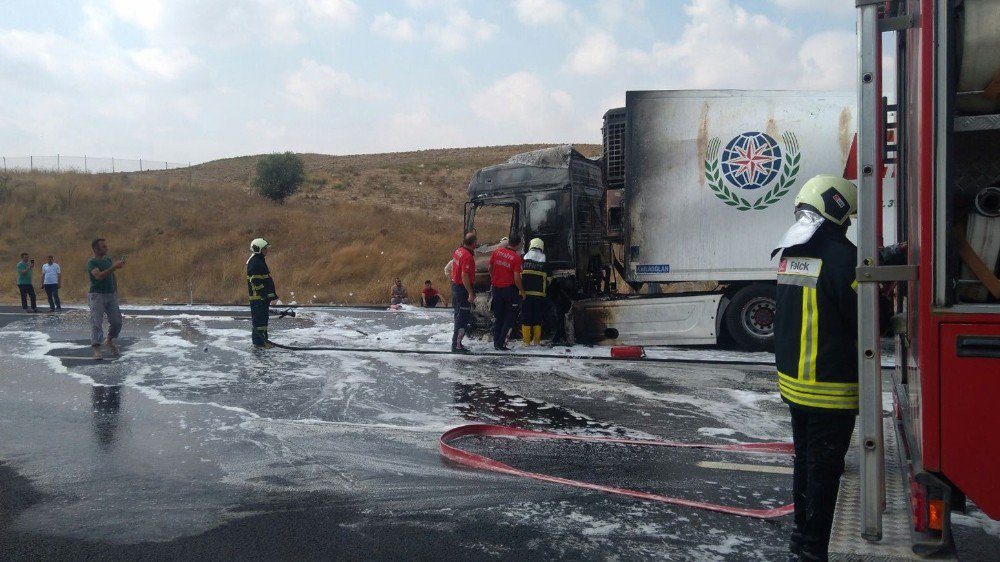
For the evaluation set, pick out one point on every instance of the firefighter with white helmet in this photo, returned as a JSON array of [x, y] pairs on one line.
[[260, 285], [815, 348], [535, 280]]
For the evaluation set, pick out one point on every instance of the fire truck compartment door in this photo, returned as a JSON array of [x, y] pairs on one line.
[[970, 411]]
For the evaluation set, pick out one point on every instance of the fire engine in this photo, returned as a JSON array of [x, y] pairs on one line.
[[937, 122]]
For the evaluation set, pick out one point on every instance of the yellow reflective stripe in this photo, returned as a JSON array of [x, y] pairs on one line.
[[814, 330], [534, 293], [854, 285], [252, 277], [832, 388], [819, 401], [809, 338]]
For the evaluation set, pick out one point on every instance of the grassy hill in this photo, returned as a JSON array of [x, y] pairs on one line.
[[357, 222]]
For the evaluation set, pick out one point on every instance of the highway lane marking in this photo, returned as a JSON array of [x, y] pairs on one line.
[[769, 469]]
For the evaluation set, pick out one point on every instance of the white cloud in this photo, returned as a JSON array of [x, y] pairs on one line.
[[147, 14], [419, 128], [394, 28], [598, 53], [522, 102], [617, 11], [315, 86], [724, 46], [340, 13], [213, 22], [815, 6], [459, 31], [829, 61], [540, 12], [164, 64]]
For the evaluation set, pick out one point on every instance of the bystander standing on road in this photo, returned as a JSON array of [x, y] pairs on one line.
[[505, 279], [102, 297], [24, 270], [429, 296], [463, 275], [397, 294], [52, 282]]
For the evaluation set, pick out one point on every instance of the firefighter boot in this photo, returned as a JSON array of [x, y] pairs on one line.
[[526, 334], [536, 334]]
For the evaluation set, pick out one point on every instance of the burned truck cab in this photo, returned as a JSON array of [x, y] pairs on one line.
[[554, 194]]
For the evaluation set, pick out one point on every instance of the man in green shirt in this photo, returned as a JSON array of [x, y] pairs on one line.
[[24, 269], [103, 297]]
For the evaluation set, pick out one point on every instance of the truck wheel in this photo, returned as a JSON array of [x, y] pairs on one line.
[[750, 317]]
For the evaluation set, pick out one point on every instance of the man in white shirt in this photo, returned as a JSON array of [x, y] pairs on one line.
[[52, 282]]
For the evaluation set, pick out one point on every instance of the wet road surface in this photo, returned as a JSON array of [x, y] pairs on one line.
[[194, 445]]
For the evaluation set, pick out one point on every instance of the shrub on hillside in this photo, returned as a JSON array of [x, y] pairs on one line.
[[279, 175]]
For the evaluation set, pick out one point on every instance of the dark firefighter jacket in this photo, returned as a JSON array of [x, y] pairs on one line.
[[816, 325], [259, 282], [534, 279]]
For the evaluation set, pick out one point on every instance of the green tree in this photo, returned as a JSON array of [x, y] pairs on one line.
[[279, 175]]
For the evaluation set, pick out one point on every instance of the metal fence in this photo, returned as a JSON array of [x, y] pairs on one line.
[[85, 164]]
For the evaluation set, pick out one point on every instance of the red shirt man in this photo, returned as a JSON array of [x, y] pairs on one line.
[[464, 261], [504, 263]]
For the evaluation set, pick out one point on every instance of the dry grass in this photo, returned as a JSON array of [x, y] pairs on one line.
[[358, 222]]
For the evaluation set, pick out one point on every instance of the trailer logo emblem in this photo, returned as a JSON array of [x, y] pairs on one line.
[[750, 161]]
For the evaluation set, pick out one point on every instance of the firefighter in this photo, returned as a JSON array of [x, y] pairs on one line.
[[505, 279], [261, 288], [815, 348], [535, 281]]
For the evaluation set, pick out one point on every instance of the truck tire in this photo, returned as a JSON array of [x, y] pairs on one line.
[[749, 318]]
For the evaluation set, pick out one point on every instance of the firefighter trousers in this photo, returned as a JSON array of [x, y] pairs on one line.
[[259, 317], [821, 442], [463, 313], [506, 305]]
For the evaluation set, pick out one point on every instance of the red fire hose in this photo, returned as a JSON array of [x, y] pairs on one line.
[[474, 460]]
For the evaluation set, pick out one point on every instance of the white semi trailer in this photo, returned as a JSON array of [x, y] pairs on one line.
[[693, 187]]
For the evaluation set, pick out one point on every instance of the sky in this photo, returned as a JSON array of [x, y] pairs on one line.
[[197, 80]]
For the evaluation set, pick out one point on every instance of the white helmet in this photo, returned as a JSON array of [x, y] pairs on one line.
[[832, 196], [537, 244], [258, 245]]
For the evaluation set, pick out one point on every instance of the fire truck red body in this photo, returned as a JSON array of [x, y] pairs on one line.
[[942, 107]]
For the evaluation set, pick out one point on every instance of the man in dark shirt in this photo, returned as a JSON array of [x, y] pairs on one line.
[[102, 297], [262, 292]]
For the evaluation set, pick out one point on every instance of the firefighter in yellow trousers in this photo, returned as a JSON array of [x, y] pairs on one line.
[[536, 282]]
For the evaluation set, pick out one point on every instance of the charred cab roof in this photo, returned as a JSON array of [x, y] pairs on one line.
[[549, 168]]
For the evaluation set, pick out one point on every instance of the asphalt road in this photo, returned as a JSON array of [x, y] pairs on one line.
[[193, 445]]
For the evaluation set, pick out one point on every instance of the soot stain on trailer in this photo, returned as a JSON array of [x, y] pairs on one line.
[[845, 134]]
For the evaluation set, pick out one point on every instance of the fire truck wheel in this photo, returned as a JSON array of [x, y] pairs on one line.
[[749, 318]]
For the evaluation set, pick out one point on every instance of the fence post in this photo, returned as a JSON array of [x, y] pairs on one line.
[[190, 176], [112, 164], [31, 163], [85, 163], [58, 165], [140, 164], [5, 163]]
